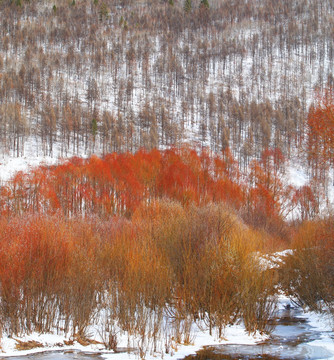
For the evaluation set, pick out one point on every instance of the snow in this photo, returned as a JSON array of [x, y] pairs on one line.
[[321, 323], [273, 261], [233, 335], [296, 175], [10, 165]]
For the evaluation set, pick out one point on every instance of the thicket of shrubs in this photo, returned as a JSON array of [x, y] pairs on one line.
[[308, 273], [118, 183], [168, 263], [149, 243]]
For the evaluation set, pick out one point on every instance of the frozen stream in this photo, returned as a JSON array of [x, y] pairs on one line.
[[293, 338]]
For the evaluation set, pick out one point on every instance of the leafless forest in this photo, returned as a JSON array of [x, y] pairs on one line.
[[97, 76]]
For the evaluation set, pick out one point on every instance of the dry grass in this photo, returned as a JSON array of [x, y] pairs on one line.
[[27, 345], [85, 341]]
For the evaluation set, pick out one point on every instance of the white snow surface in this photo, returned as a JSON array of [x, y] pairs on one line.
[[234, 334], [322, 324], [273, 261], [296, 175], [11, 165]]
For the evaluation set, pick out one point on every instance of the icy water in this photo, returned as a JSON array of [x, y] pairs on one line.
[[58, 355], [289, 340]]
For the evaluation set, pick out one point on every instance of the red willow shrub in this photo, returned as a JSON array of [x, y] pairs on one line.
[[48, 265], [118, 183], [191, 263], [307, 274], [320, 135]]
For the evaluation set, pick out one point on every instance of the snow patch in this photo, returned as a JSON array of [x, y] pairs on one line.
[[10, 165]]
